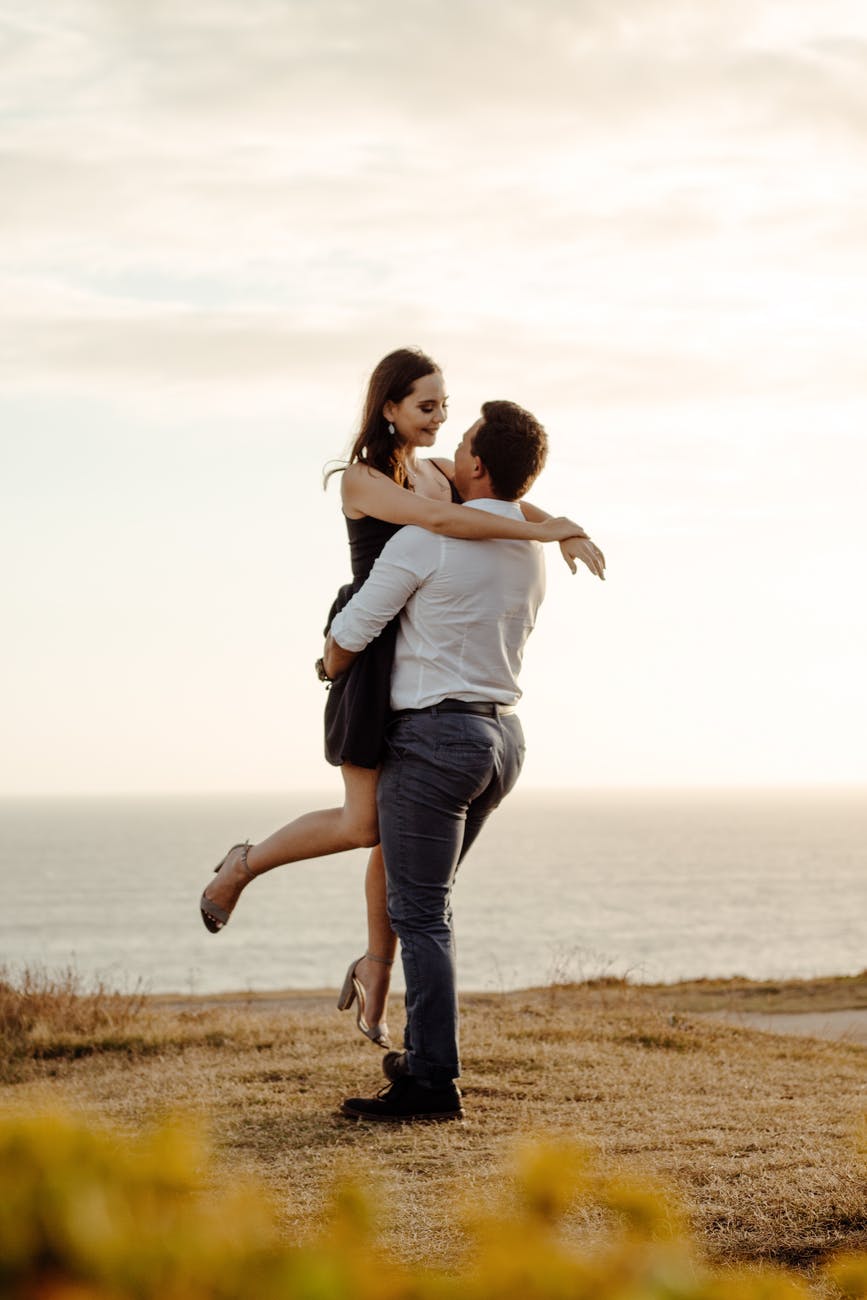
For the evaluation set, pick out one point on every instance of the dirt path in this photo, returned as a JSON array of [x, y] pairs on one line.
[[838, 1026]]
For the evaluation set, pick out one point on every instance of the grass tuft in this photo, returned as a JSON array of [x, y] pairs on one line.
[[659, 1042], [43, 1015], [59, 1017]]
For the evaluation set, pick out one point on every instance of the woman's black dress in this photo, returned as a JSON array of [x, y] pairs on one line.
[[357, 708]]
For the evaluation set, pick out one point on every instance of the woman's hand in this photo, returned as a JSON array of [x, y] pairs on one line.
[[559, 529], [581, 548]]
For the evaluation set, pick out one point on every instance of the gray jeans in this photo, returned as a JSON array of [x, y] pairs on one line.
[[443, 774]]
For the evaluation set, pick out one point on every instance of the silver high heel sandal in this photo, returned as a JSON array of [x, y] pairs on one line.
[[215, 917], [353, 991]]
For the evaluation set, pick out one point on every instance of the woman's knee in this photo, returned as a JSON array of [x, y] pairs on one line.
[[362, 828], [369, 837], [360, 820]]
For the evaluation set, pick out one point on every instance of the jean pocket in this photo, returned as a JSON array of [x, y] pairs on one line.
[[464, 755], [391, 749]]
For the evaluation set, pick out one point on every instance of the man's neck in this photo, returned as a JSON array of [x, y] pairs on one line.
[[482, 492]]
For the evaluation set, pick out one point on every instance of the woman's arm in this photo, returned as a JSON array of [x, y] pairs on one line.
[[583, 549], [579, 547], [368, 492], [537, 515]]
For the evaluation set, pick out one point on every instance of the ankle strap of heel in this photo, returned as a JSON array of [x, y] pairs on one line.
[[244, 849]]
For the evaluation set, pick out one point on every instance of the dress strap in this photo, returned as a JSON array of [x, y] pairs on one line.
[[457, 499], [438, 466]]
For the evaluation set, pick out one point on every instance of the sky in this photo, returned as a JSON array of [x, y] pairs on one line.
[[644, 220]]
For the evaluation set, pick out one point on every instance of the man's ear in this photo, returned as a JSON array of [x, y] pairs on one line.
[[479, 468]]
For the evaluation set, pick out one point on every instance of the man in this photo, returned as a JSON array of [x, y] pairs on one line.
[[454, 746]]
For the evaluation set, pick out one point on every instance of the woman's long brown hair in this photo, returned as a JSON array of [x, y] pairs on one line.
[[391, 381]]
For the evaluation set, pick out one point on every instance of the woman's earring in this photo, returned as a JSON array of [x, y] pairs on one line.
[[391, 430]]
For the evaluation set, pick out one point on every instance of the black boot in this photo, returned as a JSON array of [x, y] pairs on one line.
[[407, 1099]]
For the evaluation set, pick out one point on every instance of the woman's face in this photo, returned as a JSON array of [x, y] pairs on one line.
[[418, 417]]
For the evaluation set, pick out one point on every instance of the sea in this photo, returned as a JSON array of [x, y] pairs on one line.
[[561, 886]]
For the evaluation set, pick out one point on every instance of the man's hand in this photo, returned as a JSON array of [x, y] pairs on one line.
[[581, 548], [336, 659]]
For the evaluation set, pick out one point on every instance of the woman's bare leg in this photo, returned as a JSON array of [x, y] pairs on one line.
[[313, 835], [381, 942]]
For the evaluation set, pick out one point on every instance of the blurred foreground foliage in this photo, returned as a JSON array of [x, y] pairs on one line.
[[88, 1215]]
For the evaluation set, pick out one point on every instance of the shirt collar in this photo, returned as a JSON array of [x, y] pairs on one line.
[[494, 506]]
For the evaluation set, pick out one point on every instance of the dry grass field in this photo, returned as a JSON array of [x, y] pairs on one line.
[[757, 1134]]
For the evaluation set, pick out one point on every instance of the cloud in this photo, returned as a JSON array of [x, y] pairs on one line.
[[214, 188], [273, 71], [278, 361]]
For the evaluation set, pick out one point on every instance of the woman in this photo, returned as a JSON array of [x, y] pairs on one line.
[[384, 486]]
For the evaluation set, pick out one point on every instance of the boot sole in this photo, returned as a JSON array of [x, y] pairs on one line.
[[433, 1117]]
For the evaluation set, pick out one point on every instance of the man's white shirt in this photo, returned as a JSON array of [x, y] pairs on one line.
[[467, 608]]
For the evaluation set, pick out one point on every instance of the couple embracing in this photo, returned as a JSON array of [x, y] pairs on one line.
[[424, 650]]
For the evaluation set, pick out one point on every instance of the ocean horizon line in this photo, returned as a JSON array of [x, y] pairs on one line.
[[319, 792]]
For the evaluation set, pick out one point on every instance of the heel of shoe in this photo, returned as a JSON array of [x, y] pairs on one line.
[[214, 917], [349, 992], [353, 992]]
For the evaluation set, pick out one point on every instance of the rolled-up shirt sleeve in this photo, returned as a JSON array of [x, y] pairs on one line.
[[406, 560]]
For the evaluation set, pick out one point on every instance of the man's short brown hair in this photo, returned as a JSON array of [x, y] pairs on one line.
[[512, 445]]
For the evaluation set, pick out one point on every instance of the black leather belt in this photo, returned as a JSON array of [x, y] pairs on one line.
[[484, 708]]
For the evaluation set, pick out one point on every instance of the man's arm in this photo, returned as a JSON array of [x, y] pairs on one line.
[[406, 560], [335, 659]]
